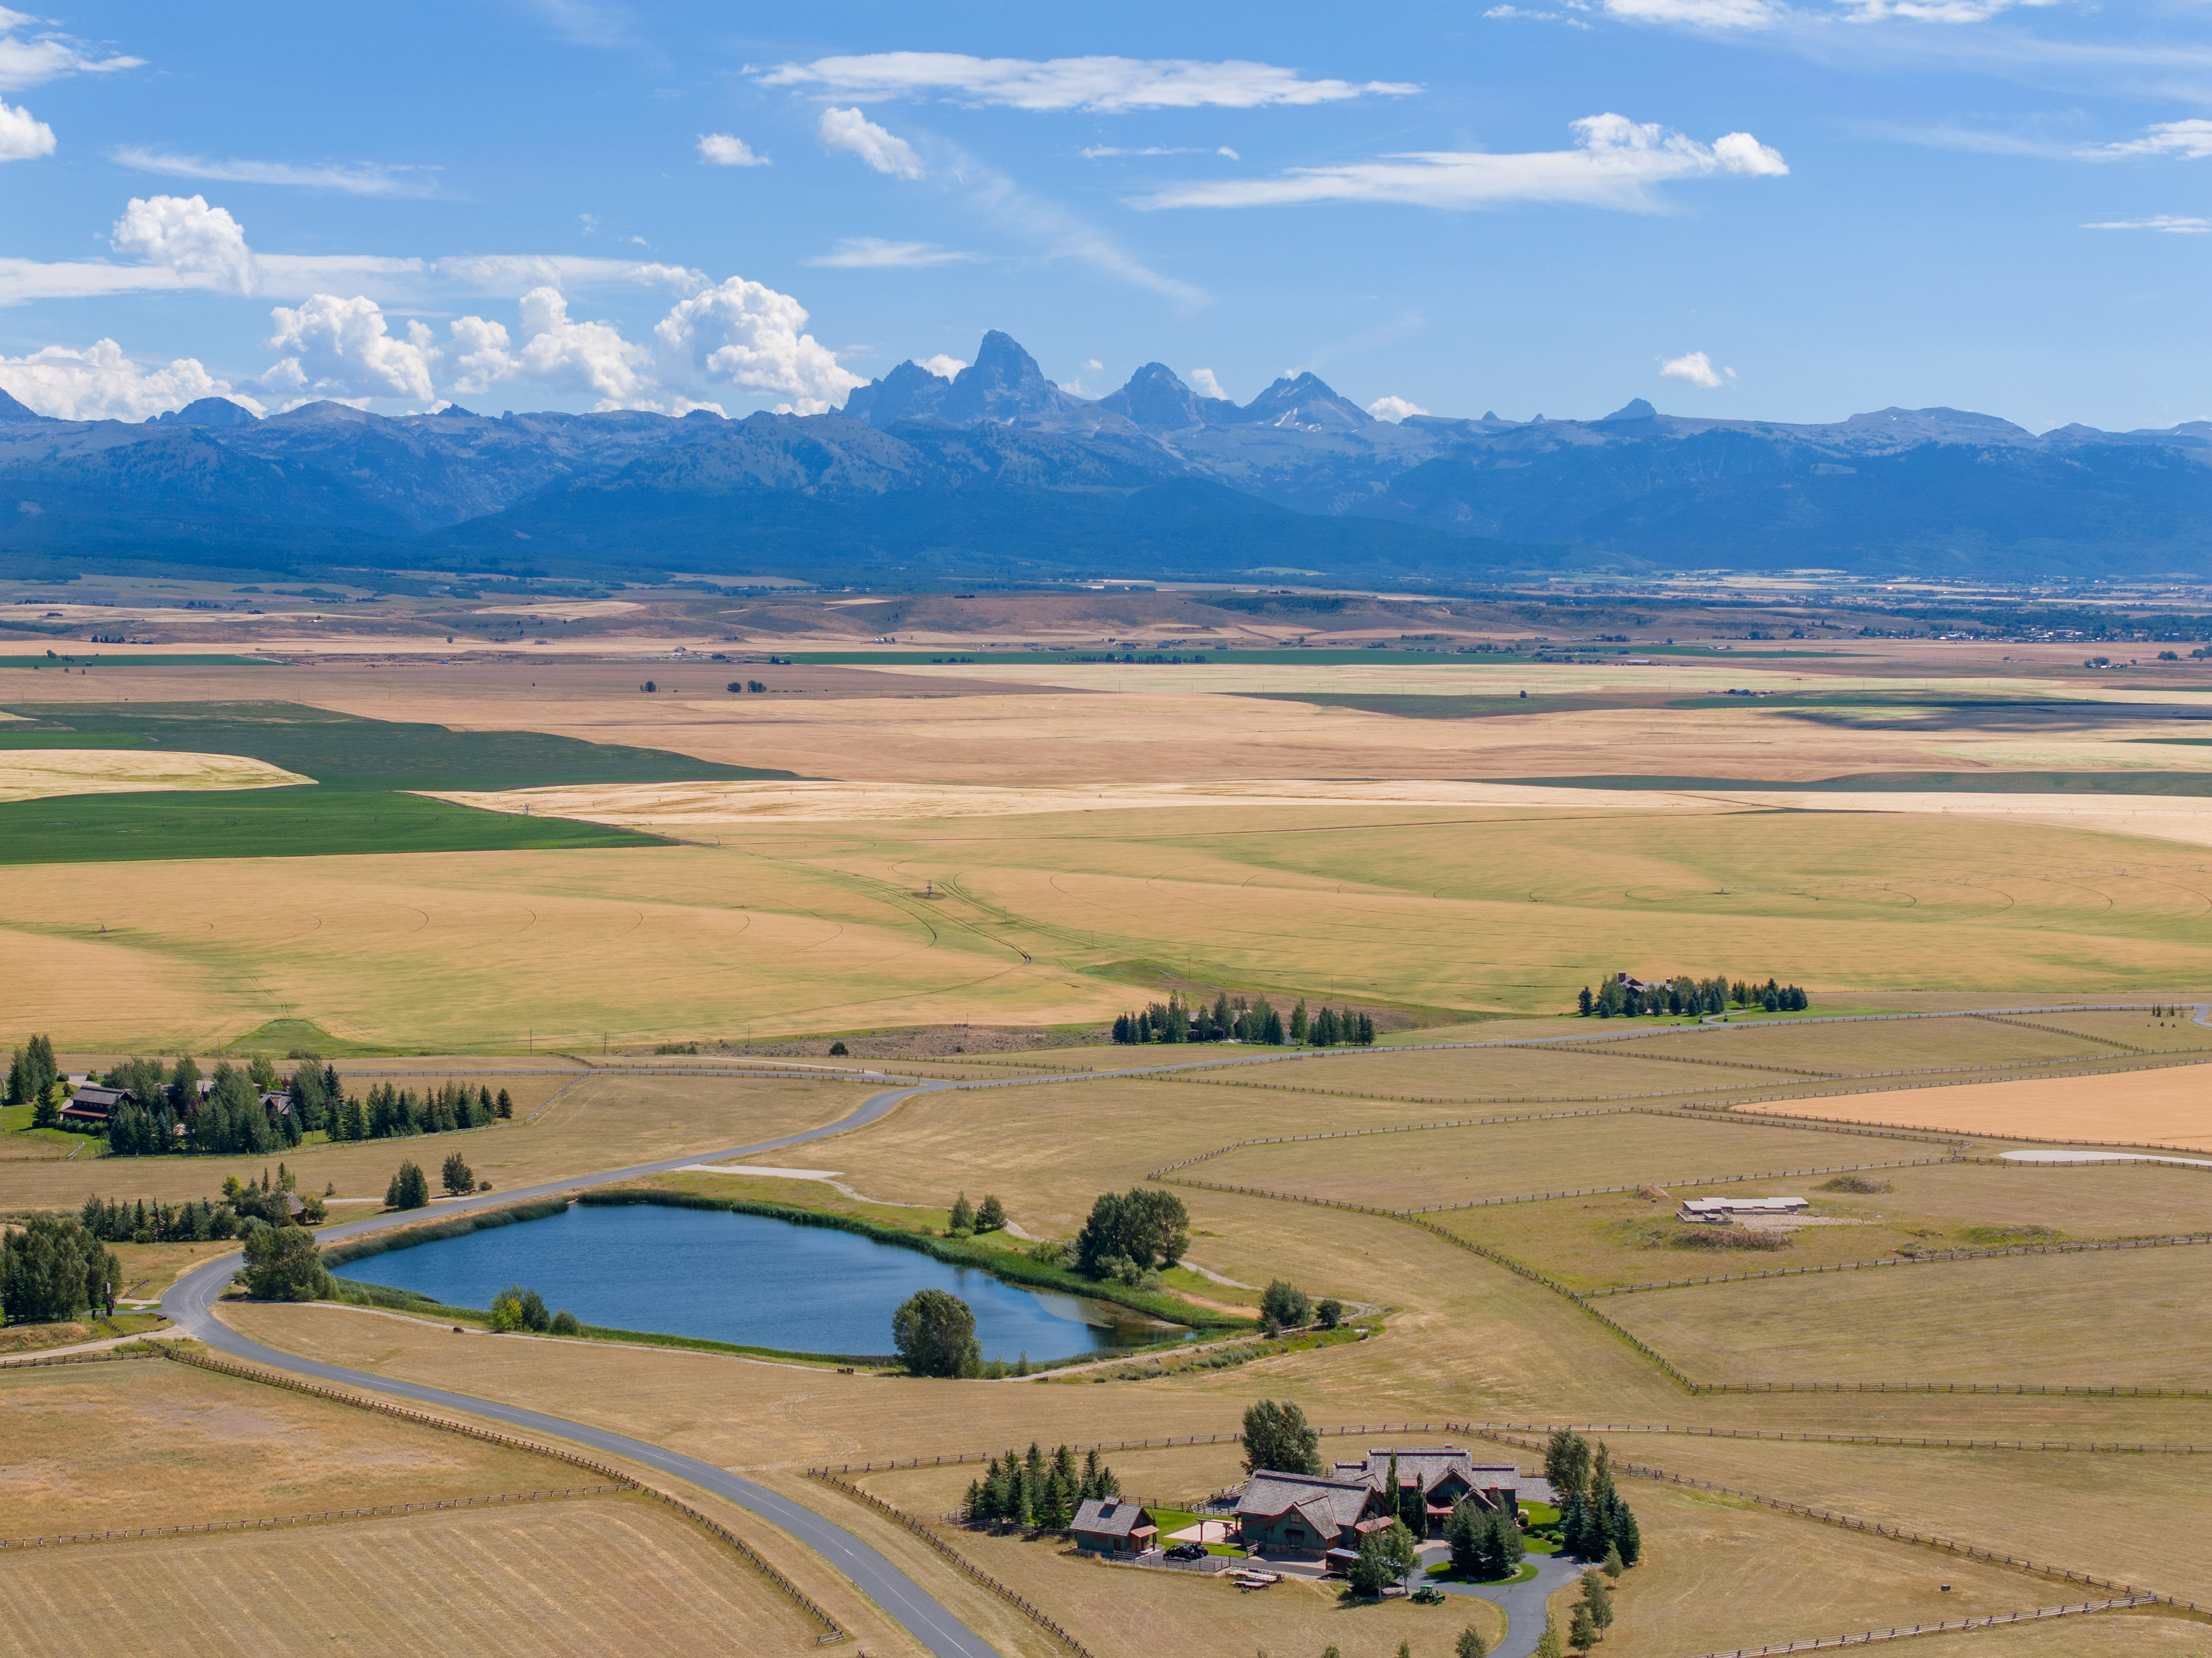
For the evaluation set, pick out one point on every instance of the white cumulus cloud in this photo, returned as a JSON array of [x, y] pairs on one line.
[[1614, 164], [45, 57], [873, 253], [1203, 382], [2185, 141], [942, 367], [100, 383], [744, 335], [203, 246], [849, 130], [1697, 369], [476, 356], [724, 150], [1394, 408], [336, 348], [1102, 84], [2171, 223], [590, 357], [23, 136]]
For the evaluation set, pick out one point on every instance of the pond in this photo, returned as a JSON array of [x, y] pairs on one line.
[[746, 1279]]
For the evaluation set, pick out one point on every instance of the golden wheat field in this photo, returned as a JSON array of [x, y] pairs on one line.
[[2168, 1107]]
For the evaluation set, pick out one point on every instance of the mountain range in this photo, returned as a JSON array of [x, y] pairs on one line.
[[998, 474]]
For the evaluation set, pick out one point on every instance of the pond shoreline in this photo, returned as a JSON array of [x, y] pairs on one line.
[[1035, 1279]]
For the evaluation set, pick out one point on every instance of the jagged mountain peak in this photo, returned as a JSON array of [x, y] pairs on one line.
[[1004, 384], [1307, 402], [1157, 399], [1634, 409], [12, 411], [910, 391]]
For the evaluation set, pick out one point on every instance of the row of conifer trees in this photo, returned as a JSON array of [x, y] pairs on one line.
[[390, 1112], [1173, 1021], [1686, 994], [1037, 1491]]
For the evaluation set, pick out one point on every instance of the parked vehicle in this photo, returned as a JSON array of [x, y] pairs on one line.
[[1188, 1551]]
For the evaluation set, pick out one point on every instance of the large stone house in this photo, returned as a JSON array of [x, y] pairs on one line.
[[1308, 1514]]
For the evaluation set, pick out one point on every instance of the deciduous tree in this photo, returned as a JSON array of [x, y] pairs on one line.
[[934, 1333], [1278, 1439]]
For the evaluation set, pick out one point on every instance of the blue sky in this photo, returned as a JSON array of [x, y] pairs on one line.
[[1789, 209]]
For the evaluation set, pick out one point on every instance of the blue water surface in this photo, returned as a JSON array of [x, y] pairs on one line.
[[741, 1278]]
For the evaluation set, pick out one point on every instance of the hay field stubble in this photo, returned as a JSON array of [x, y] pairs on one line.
[[2163, 1107], [149, 1443], [2111, 1319], [588, 1575]]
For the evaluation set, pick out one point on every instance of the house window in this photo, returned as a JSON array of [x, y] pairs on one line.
[[1294, 1534]]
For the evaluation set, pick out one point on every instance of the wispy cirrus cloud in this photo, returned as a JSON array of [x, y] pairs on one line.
[[1099, 152], [2170, 223], [46, 56], [1100, 85], [358, 178], [1615, 164], [873, 253]]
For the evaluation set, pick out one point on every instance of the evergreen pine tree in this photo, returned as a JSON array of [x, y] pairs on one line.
[[991, 1216], [1470, 1644], [1582, 1631], [1299, 1029], [1599, 1599], [1622, 1533], [1614, 1565], [1585, 1002]]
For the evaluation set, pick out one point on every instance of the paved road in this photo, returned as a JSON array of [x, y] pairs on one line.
[[190, 1304], [1524, 1603]]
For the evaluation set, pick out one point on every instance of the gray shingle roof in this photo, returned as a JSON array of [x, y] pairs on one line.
[[1327, 1505], [1112, 1516]]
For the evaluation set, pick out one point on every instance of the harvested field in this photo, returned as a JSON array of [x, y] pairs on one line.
[[1567, 1072], [1714, 1570], [605, 1122], [34, 774], [151, 1442], [2116, 1319], [1597, 1242], [2077, 1510], [1902, 1045], [2149, 1633], [591, 1576], [1498, 1160], [2164, 1107]]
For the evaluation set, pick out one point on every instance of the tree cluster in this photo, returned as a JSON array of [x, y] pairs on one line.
[[1130, 1234], [51, 1267], [1037, 1491], [1485, 1542], [934, 1334], [965, 1220], [34, 1079], [516, 1309], [1279, 1440], [1331, 1028], [284, 1263], [408, 1189], [1174, 1021], [390, 1112], [1595, 1521], [1686, 994], [1284, 1306], [1385, 1557], [242, 1207], [1593, 1613]]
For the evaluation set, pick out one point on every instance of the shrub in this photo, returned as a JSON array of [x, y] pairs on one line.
[[1701, 1236], [565, 1323], [1330, 1313], [839, 1051], [1857, 1183], [516, 1309], [409, 1188]]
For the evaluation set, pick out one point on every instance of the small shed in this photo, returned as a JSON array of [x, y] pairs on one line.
[[1720, 1212], [1114, 1525]]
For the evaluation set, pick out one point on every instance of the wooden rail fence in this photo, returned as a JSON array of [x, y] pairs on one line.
[[2084, 1246], [1899, 1632]]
